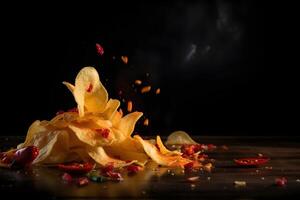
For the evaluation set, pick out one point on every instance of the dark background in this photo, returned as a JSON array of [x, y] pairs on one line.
[[208, 58]]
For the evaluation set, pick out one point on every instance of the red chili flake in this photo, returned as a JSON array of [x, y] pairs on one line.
[[189, 166], [77, 168], [115, 176], [188, 149], [104, 132], [211, 146], [281, 181], [60, 112], [256, 161], [99, 49], [108, 168], [89, 88], [132, 169], [73, 110], [67, 177], [82, 181]]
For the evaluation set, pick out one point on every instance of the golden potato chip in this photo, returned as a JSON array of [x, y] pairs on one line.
[[92, 137], [179, 137], [165, 160], [128, 122], [69, 86], [163, 149], [100, 156]]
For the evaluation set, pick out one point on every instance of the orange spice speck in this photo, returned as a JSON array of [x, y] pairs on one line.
[[157, 91], [129, 106], [145, 89], [90, 87], [138, 82], [124, 59], [146, 122]]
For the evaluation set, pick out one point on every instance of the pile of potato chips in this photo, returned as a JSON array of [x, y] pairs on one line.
[[96, 131]]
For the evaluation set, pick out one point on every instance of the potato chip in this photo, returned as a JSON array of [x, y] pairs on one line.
[[165, 160], [163, 149], [179, 137]]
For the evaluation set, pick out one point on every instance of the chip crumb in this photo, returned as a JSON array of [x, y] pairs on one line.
[[138, 82], [240, 183], [129, 106], [157, 91], [298, 180], [260, 155], [124, 59], [146, 89], [269, 167], [146, 122], [262, 178]]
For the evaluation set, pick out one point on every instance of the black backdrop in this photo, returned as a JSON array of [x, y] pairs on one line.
[[208, 58]]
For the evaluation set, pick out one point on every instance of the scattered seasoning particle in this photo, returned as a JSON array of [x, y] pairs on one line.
[[193, 179], [89, 88], [146, 122], [138, 82], [240, 183], [281, 181], [157, 91], [124, 59], [120, 92], [172, 174], [129, 106], [99, 49], [257, 171], [269, 168], [82, 181], [145, 89], [298, 180], [262, 178], [208, 178], [133, 169], [260, 155], [67, 178]]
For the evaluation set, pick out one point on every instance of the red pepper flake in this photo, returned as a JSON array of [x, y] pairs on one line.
[[67, 178], [90, 88], [73, 110], [99, 49], [83, 181], [132, 169], [108, 168], [281, 181], [104, 132], [115, 176], [77, 168], [189, 166]]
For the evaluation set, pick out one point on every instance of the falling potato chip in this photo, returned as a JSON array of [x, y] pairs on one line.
[[179, 137]]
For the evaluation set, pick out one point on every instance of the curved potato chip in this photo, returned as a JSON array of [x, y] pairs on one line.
[[163, 149], [69, 86], [89, 93], [100, 156], [111, 108], [159, 158], [91, 137], [179, 137], [128, 122]]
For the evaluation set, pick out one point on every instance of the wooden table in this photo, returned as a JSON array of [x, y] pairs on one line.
[[163, 183]]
